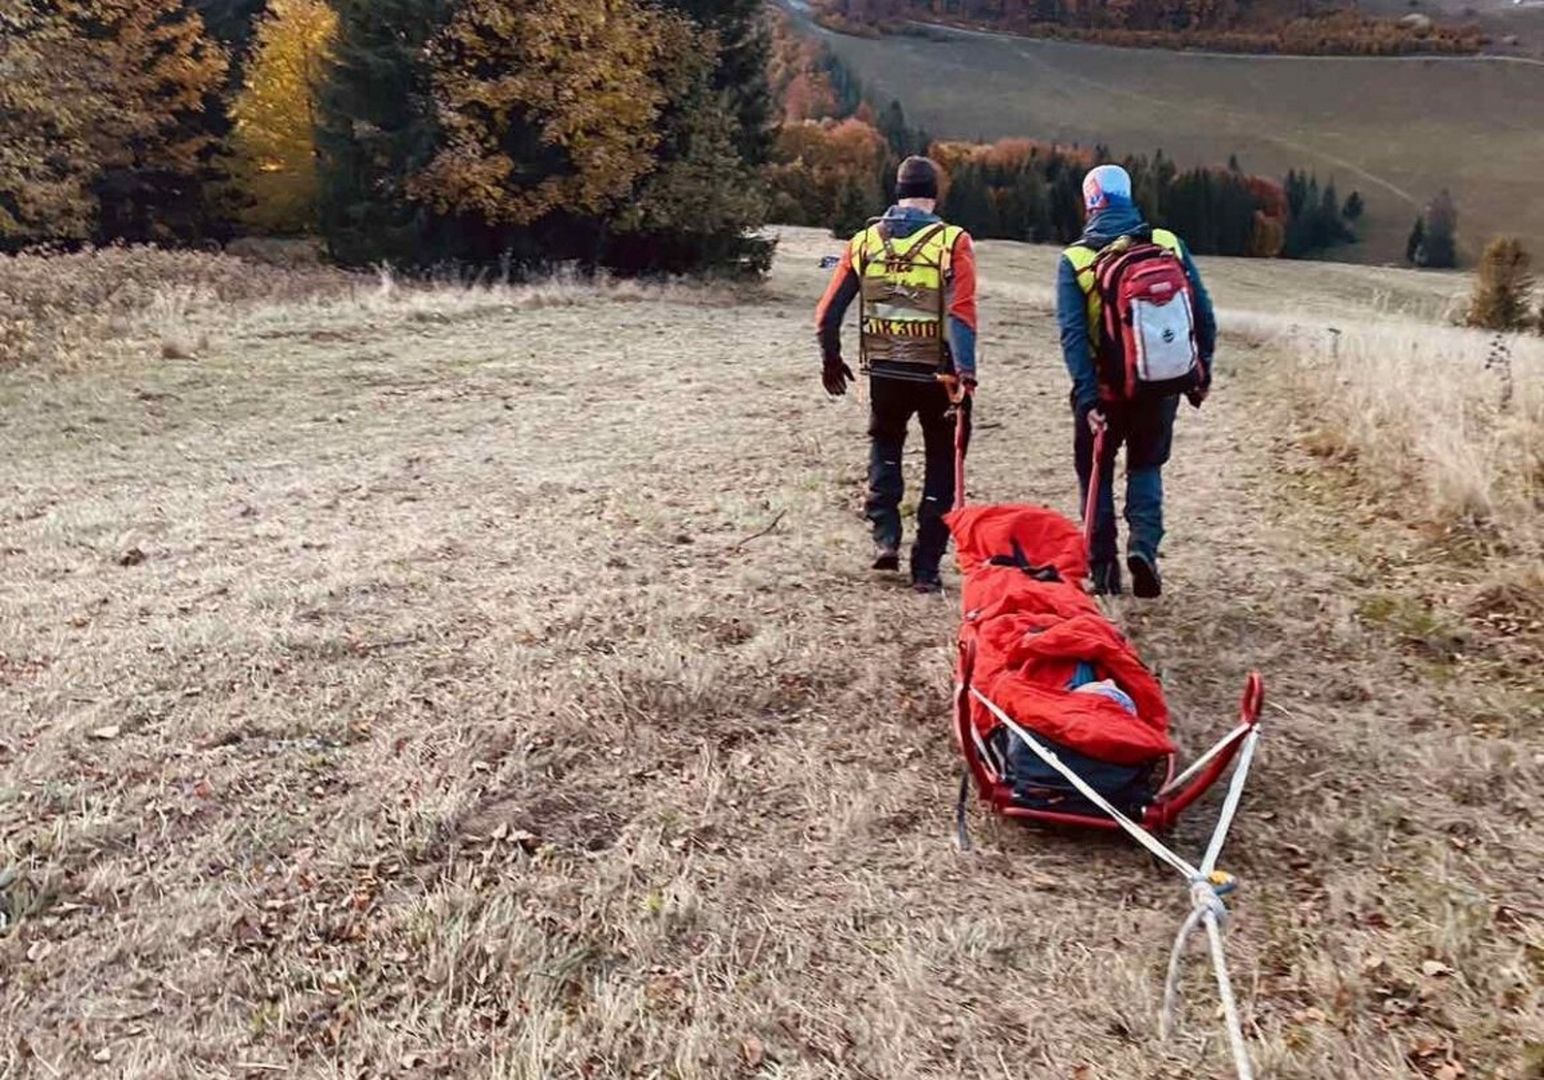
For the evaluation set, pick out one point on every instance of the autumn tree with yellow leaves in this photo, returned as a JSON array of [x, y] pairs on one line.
[[614, 132], [547, 105], [274, 137]]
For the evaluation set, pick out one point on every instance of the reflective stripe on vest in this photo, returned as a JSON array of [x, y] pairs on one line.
[[1083, 257], [904, 311]]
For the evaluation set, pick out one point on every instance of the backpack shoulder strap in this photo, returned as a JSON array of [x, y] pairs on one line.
[[921, 243]]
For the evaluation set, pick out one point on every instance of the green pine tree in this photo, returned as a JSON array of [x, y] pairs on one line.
[[376, 129], [706, 193], [1440, 251], [1416, 242], [741, 74], [232, 23], [854, 208], [696, 209]]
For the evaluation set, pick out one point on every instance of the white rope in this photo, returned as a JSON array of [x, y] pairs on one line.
[[1225, 991], [1136, 832], [1207, 907], [1171, 983]]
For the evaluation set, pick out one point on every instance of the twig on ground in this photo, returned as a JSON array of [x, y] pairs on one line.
[[1283, 710], [781, 514]]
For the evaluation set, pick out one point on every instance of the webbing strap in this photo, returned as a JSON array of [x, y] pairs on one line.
[[1205, 759], [1230, 805], [1206, 887], [1137, 833]]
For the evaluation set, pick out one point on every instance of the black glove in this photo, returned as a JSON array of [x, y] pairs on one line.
[[835, 375], [1199, 393]]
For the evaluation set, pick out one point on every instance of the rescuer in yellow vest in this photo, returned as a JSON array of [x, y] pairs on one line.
[[916, 277], [1145, 423]]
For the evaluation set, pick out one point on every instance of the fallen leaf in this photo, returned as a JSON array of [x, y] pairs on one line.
[[102, 1056], [1449, 1071], [1083, 1072], [38, 950], [1425, 1046], [1310, 1015], [752, 1051], [111, 731], [1434, 968]]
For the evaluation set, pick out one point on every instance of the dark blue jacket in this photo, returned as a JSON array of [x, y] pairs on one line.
[[1104, 227]]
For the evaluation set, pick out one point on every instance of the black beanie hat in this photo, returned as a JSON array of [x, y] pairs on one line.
[[917, 178]]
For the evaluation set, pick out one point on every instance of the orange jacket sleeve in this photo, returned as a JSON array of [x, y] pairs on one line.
[[962, 306], [839, 295]]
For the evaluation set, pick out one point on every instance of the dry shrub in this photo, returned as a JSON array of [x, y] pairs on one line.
[[1502, 289], [65, 306], [56, 307], [1453, 419]]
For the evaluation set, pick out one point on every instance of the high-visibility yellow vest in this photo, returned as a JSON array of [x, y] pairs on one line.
[[1083, 258], [904, 312]]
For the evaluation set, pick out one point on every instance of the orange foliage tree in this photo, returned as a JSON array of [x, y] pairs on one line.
[[49, 107], [102, 117], [829, 173]]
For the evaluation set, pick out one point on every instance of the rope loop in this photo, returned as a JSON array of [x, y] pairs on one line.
[[1206, 895]]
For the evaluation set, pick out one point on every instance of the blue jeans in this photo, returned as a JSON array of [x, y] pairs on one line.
[[893, 402], [1146, 429]]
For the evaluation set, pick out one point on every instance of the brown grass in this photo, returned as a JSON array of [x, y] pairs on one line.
[[1451, 421], [392, 691]]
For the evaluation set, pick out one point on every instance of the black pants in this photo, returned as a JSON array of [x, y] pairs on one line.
[[1146, 428], [893, 403]]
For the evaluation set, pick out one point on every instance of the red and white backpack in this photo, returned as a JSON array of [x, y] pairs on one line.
[[1147, 332]]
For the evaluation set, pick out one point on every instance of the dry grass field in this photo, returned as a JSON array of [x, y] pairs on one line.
[[407, 682], [1398, 130]]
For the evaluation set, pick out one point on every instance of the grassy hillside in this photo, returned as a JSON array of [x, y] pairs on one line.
[[1398, 130], [431, 681]]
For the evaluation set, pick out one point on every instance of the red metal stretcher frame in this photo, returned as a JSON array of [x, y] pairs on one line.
[[1176, 793], [1172, 798]]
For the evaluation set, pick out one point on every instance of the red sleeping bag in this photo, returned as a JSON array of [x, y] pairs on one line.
[[1030, 625]]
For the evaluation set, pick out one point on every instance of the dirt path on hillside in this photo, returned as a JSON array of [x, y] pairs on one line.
[[492, 689]]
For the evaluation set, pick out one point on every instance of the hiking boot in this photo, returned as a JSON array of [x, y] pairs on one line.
[[927, 583], [887, 558], [1106, 578], [1146, 582]]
